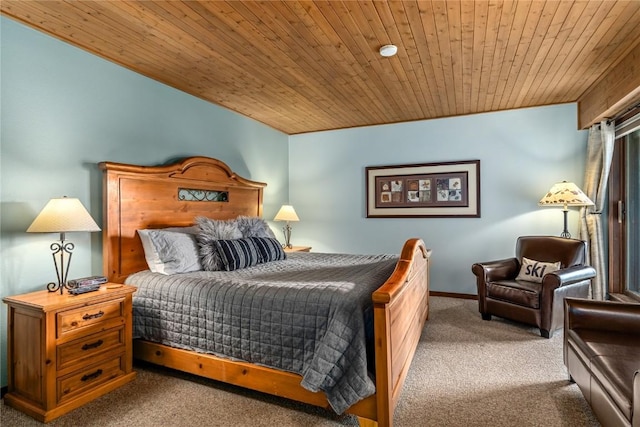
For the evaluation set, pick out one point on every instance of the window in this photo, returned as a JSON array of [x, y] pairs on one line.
[[624, 212]]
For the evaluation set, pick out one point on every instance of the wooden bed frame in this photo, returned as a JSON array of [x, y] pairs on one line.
[[140, 197]]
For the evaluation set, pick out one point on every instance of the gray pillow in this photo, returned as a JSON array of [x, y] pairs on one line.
[[211, 230], [170, 252], [254, 227]]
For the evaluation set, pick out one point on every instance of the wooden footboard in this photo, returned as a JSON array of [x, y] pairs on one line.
[[401, 307]]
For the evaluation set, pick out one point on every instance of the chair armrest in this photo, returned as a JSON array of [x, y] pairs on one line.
[[602, 315], [568, 276], [636, 400], [496, 270]]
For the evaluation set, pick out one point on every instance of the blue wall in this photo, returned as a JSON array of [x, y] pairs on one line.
[[522, 154], [63, 111]]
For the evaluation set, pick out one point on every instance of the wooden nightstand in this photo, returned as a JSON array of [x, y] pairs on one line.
[[64, 350], [298, 249]]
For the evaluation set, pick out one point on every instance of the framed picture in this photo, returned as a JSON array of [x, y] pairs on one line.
[[449, 189]]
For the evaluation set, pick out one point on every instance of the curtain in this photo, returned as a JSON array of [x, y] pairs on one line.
[[599, 155]]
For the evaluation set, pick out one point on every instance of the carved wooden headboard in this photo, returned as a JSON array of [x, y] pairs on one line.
[[140, 197]]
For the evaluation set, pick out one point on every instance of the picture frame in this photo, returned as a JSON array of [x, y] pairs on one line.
[[436, 190]]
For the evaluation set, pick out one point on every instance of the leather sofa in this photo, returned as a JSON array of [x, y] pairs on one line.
[[602, 355]]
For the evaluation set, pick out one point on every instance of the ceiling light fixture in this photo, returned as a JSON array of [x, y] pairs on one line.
[[388, 50]]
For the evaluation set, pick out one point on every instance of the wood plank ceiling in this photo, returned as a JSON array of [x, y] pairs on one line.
[[301, 66]]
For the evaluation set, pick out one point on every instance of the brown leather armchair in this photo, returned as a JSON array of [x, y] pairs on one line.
[[602, 355], [539, 304]]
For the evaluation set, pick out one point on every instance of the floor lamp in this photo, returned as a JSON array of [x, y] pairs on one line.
[[565, 194]]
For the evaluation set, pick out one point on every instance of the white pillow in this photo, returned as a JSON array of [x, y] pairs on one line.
[[533, 271], [169, 252]]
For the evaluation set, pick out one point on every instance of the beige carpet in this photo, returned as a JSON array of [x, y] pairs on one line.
[[466, 372]]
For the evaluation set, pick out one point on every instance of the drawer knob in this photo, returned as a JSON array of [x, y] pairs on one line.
[[93, 316], [92, 345], [92, 375]]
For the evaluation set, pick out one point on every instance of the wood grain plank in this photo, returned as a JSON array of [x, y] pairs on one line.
[[613, 30], [504, 24], [418, 53], [617, 91], [559, 42], [339, 65], [395, 20], [513, 25], [454, 18], [233, 35], [371, 90], [234, 29], [490, 38], [447, 60], [310, 82], [555, 83], [527, 22], [209, 58], [383, 71], [301, 66], [428, 28], [468, 59], [536, 52]]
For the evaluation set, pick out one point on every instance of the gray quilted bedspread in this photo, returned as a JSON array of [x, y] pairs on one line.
[[305, 314]]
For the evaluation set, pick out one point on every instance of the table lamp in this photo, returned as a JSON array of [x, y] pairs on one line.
[[565, 194], [287, 213], [62, 216]]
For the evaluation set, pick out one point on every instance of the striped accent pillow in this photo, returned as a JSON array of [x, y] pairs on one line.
[[237, 253], [269, 249]]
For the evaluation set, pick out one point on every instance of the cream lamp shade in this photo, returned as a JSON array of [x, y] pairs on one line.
[[565, 194], [288, 214], [62, 216]]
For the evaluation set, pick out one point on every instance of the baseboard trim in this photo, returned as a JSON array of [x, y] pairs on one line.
[[452, 295]]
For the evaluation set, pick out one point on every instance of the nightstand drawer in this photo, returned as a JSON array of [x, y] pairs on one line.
[[86, 349], [90, 377], [72, 320]]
